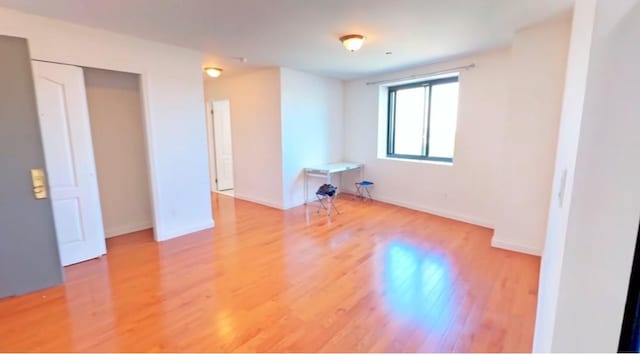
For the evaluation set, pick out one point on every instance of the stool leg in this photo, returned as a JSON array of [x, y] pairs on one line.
[[321, 201], [360, 189], [368, 193], [334, 205]]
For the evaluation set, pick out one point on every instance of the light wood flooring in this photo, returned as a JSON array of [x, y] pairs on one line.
[[375, 278]]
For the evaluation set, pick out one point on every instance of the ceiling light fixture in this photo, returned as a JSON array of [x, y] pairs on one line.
[[213, 72], [352, 42]]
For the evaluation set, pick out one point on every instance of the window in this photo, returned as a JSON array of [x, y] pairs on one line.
[[422, 120]]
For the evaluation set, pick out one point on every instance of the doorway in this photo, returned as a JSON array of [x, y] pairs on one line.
[[220, 147], [119, 145]]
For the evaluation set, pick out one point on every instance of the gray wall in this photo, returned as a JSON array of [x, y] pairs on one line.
[[29, 258]]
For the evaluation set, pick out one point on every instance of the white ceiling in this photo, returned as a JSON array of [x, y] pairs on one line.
[[303, 34]]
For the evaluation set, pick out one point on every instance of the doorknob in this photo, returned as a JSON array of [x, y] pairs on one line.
[[39, 185]]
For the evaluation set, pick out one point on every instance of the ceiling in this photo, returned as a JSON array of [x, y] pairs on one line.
[[303, 34]]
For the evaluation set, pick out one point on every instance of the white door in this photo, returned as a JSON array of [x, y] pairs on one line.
[[222, 141], [68, 152]]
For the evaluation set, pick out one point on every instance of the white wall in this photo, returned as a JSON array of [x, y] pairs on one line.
[[537, 72], [173, 106], [256, 133], [311, 128], [509, 109], [115, 110], [575, 86], [464, 190], [577, 67], [585, 275], [282, 121]]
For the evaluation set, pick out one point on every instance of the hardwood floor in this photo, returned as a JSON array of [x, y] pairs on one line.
[[376, 278]]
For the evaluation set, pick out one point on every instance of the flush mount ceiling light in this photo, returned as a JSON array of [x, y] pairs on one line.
[[352, 42], [213, 72]]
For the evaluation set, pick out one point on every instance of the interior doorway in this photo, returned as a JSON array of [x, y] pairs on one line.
[[220, 147]]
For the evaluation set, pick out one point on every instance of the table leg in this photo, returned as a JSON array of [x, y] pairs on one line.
[[329, 175], [306, 188]]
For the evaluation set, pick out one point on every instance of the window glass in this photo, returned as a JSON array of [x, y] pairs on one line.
[[409, 121], [442, 120]]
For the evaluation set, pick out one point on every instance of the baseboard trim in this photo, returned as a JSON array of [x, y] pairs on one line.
[[438, 212], [258, 201], [295, 205], [127, 229], [186, 230], [515, 247]]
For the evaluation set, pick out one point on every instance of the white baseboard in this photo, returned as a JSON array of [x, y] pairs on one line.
[[294, 205], [185, 230], [127, 229], [515, 247], [468, 219], [439, 212], [258, 201]]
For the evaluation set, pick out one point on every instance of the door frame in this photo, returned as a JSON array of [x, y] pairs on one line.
[[213, 168]]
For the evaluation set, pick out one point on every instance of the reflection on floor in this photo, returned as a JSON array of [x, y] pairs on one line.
[[375, 278]]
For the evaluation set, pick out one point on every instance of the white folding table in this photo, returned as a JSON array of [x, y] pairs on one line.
[[327, 171]]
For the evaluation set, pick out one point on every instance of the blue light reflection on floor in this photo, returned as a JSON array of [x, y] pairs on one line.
[[417, 285]]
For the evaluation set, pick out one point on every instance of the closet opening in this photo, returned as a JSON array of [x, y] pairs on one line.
[[120, 148]]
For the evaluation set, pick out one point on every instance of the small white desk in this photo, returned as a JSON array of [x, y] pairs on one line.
[[327, 171]]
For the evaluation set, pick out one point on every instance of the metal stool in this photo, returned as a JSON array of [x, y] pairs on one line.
[[326, 195], [363, 189]]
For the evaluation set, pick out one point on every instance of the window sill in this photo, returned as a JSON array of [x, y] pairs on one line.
[[421, 161]]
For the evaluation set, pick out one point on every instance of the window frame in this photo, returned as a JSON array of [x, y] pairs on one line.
[[391, 119]]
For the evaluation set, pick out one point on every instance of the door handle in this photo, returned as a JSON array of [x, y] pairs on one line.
[[39, 185]]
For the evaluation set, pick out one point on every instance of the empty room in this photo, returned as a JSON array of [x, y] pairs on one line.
[[319, 176]]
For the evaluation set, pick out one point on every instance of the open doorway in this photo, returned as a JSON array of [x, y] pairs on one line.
[[119, 144], [220, 147]]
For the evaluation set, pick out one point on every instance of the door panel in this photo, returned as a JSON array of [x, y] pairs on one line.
[[29, 258], [224, 151], [56, 139], [71, 231], [66, 137]]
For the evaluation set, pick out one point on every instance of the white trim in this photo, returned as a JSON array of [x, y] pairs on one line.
[[211, 147], [258, 201], [419, 161], [152, 176], [127, 229], [515, 247], [295, 205], [186, 230], [439, 212]]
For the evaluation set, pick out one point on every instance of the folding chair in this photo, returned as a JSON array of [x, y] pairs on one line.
[[363, 189], [326, 195]]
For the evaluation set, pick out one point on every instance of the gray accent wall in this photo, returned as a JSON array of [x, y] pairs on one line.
[[29, 258]]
